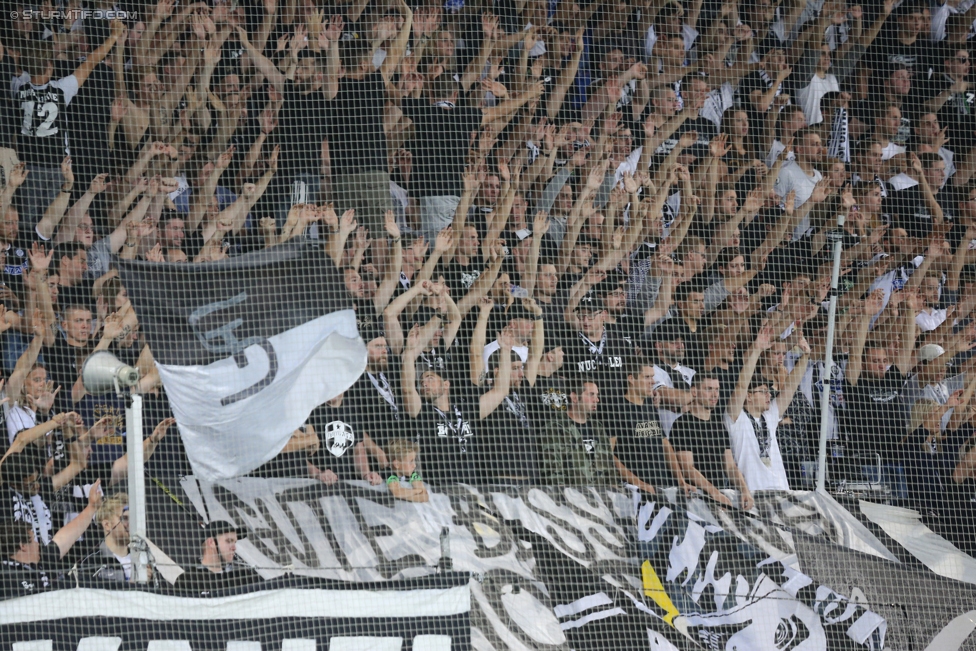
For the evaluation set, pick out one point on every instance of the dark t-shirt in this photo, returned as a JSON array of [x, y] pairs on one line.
[[460, 278], [201, 580], [377, 401], [78, 294], [508, 444], [439, 146], [449, 447], [63, 363], [22, 579], [707, 440], [874, 420], [639, 448], [302, 123], [356, 139], [601, 360], [887, 50], [42, 139], [909, 210], [339, 433]]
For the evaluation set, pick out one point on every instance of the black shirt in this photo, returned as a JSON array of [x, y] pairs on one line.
[[707, 440], [874, 418], [460, 277], [200, 580], [63, 363], [508, 441], [601, 360], [338, 432], [378, 403], [356, 139], [22, 579], [449, 449], [440, 146], [78, 294], [639, 446], [887, 50], [44, 128], [909, 210], [302, 127]]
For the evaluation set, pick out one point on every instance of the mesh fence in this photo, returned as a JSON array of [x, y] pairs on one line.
[[495, 325]]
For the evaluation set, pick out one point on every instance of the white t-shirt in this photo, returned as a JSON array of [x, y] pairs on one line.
[[19, 418], [663, 379], [891, 150], [928, 322], [774, 152], [809, 96], [791, 177], [717, 103], [762, 469], [523, 352]]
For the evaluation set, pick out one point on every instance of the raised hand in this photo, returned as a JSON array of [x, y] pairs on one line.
[[224, 160], [390, 225], [764, 340], [118, 110], [162, 429], [39, 259], [66, 172], [347, 224], [98, 184], [540, 225], [154, 254], [444, 240], [18, 174]]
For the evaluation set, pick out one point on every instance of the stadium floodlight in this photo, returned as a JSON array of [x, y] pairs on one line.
[[103, 373]]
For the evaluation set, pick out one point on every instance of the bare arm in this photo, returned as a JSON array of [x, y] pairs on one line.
[[408, 373], [399, 46]]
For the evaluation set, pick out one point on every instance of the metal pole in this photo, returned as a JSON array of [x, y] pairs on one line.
[[836, 237], [137, 489]]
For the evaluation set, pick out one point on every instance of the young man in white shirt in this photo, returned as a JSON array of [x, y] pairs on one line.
[[800, 175], [752, 418]]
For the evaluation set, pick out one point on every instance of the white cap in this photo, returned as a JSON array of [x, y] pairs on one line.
[[928, 352]]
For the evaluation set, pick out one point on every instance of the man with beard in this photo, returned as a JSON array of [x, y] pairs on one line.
[[701, 444], [594, 351], [219, 566], [672, 379]]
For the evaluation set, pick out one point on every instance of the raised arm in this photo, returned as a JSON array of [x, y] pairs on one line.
[[82, 72], [391, 315], [55, 210], [399, 47], [479, 336], [489, 401], [416, 341], [391, 276], [763, 342], [793, 380], [855, 359], [68, 535], [262, 63], [537, 343], [565, 79]]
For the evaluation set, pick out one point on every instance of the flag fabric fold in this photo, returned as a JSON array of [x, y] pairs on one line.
[[246, 348]]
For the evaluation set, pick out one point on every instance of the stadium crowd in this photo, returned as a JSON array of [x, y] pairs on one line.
[[585, 243]]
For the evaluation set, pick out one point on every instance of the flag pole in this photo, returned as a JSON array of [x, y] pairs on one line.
[[837, 237], [138, 550]]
